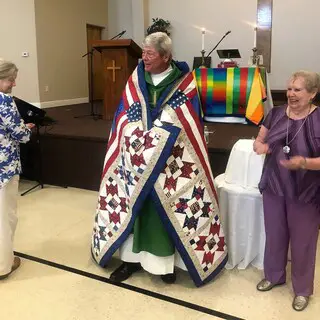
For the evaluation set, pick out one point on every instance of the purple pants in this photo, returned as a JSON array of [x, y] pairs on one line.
[[289, 220]]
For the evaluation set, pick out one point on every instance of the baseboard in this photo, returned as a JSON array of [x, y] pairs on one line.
[[36, 104], [60, 103]]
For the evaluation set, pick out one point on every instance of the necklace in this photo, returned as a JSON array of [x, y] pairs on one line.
[[286, 149]]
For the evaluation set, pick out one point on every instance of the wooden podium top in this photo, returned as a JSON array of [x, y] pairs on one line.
[[120, 44], [118, 58]]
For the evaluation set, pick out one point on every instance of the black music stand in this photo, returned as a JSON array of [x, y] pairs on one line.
[[39, 180], [229, 54], [31, 114]]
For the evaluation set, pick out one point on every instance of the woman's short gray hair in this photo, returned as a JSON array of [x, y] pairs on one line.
[[160, 41], [311, 79], [7, 69]]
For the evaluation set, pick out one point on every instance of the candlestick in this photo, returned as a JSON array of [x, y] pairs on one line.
[[255, 58], [255, 37], [203, 33], [203, 63]]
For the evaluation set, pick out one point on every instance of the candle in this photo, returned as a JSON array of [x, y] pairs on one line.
[[255, 37], [203, 33]]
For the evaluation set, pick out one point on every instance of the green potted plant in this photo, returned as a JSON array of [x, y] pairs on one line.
[[159, 25]]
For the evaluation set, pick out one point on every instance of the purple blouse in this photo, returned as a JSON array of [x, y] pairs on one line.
[[302, 185]]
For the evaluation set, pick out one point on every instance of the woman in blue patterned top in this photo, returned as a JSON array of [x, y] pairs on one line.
[[13, 131]]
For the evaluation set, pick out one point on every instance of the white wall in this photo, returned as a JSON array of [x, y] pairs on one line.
[[188, 17], [140, 19], [61, 43], [295, 43], [54, 35], [120, 18], [294, 36], [18, 34], [129, 15]]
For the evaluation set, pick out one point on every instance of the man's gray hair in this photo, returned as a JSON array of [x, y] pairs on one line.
[[311, 79], [160, 41], [7, 69]]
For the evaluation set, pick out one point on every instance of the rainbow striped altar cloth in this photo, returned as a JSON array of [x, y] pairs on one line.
[[237, 93]]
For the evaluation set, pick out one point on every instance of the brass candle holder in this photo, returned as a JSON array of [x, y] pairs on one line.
[[203, 63], [255, 58]]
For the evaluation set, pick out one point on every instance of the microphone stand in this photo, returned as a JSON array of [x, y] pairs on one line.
[[218, 43], [119, 35], [95, 116]]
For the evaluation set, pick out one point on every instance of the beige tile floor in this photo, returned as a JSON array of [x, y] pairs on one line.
[[55, 224]]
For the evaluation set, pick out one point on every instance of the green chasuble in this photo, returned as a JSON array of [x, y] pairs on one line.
[[149, 233]]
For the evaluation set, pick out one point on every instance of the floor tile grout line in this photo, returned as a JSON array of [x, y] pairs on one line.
[[146, 292]]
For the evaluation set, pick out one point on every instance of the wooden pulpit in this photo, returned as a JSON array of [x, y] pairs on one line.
[[119, 59]]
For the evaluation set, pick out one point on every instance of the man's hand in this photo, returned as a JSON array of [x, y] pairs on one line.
[[294, 163], [30, 125], [260, 148]]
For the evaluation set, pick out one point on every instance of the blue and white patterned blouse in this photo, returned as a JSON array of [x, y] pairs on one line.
[[13, 131]]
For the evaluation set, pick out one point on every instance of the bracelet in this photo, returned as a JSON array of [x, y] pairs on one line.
[[304, 164], [254, 146]]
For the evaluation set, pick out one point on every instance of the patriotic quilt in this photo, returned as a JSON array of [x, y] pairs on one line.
[[161, 153]]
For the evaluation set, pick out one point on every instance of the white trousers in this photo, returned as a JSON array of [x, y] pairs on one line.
[[8, 223], [149, 262]]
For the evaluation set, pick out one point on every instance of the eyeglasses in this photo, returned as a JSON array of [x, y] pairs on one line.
[[11, 79], [149, 54]]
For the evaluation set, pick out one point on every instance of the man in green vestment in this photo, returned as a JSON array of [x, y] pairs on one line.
[[150, 247], [157, 201]]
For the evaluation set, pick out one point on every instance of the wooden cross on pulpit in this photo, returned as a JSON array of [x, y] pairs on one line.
[[113, 68], [120, 57]]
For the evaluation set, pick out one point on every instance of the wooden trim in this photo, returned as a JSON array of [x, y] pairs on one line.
[[116, 44], [95, 26]]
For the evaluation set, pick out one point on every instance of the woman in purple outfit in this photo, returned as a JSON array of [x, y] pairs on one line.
[[290, 185]]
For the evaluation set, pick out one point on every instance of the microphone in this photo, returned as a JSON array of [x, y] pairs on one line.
[[119, 35], [228, 32]]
